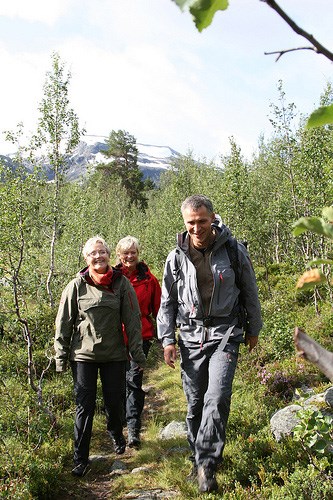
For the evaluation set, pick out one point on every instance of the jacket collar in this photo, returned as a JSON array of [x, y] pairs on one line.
[[141, 272], [84, 274]]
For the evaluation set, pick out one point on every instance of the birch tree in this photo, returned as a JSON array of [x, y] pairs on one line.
[[57, 135]]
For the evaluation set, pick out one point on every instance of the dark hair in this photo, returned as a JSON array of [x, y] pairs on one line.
[[196, 201]]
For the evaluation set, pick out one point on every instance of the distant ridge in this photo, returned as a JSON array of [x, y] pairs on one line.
[[152, 159]]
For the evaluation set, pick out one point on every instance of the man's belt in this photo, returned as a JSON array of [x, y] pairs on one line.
[[212, 321]]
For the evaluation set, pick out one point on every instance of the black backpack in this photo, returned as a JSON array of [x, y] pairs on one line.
[[231, 246]]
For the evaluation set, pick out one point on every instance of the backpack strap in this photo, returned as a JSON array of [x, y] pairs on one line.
[[231, 246], [176, 269]]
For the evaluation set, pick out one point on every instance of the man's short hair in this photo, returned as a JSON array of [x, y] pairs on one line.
[[196, 201]]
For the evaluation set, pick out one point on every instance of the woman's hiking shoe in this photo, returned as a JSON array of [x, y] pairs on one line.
[[134, 440], [80, 469], [206, 479], [119, 443]]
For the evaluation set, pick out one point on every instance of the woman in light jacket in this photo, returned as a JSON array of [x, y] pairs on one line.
[[92, 310]]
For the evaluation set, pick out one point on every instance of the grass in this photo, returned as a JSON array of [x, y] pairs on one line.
[[255, 466]]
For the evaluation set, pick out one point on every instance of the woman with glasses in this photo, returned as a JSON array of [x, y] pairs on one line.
[[92, 310], [148, 291]]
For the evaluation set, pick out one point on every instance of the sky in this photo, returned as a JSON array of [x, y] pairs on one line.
[[142, 66]]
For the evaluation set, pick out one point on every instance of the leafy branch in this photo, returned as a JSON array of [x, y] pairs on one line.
[[203, 12], [319, 225], [314, 432], [307, 347]]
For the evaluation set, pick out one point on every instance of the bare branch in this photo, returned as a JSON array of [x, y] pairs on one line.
[[312, 351], [317, 46], [282, 52]]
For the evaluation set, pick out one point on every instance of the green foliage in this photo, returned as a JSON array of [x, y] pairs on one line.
[[314, 431], [314, 224], [259, 199], [123, 155], [235, 200], [320, 226], [304, 484], [29, 473], [162, 220], [58, 134], [58, 127], [320, 116], [278, 329], [202, 11]]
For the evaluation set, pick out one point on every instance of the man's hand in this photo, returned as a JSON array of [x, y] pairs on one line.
[[251, 342], [170, 355]]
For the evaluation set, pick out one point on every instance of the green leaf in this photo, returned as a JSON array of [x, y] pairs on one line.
[[324, 427], [202, 11], [320, 116], [320, 446], [303, 396], [312, 441], [317, 262], [314, 224], [328, 213]]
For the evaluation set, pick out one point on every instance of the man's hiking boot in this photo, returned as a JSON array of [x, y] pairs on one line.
[[134, 440], [80, 469], [206, 479], [119, 443]]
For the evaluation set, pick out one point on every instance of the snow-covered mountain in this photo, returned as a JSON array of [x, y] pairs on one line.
[[152, 160]]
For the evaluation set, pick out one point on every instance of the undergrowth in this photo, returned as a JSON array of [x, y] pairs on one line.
[[36, 454]]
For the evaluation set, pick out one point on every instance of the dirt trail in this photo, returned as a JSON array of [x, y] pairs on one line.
[[96, 484]]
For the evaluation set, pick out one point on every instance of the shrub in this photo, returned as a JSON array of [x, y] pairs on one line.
[[306, 484]]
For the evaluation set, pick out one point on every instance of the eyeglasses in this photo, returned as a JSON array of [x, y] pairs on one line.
[[94, 253]]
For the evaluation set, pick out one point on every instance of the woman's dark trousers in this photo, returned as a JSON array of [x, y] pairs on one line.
[[113, 379], [135, 395]]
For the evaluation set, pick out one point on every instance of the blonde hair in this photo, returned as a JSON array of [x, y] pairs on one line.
[[92, 241], [125, 244]]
